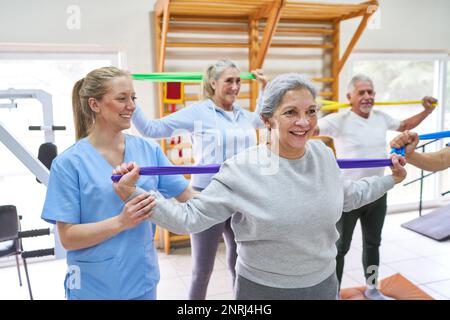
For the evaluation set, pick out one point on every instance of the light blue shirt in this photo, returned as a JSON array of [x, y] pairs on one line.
[[80, 191], [215, 134]]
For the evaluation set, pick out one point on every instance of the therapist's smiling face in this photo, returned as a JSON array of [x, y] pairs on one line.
[[118, 104]]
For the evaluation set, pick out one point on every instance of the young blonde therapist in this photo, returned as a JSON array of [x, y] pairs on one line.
[[110, 251], [284, 218]]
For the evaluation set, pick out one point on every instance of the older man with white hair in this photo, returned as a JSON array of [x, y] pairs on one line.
[[360, 132]]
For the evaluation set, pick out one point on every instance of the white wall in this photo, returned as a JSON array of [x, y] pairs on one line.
[[405, 24], [117, 24]]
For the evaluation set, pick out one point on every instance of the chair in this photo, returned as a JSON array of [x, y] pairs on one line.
[[329, 142], [11, 243], [47, 152]]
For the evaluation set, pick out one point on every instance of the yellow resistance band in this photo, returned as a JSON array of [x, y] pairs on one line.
[[333, 105]]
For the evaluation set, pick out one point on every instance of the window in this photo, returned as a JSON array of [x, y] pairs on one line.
[[445, 175]]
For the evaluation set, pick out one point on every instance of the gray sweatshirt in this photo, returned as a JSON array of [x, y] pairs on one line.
[[283, 212]]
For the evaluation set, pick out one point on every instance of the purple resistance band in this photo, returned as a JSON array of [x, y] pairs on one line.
[[214, 168]]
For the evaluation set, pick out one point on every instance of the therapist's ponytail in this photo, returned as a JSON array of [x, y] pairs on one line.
[[95, 85], [83, 116]]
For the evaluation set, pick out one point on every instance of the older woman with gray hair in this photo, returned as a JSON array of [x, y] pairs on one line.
[[284, 197], [219, 129]]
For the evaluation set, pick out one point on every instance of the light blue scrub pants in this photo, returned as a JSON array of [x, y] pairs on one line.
[[149, 295]]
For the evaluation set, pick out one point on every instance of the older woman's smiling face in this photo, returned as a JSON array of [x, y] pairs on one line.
[[226, 88], [293, 123]]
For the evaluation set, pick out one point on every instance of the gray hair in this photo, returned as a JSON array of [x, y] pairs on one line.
[[277, 88], [214, 71], [356, 78]]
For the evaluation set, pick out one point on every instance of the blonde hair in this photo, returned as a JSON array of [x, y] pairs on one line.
[[214, 71], [95, 85]]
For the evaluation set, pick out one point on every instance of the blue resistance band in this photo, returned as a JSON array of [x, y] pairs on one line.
[[427, 136]]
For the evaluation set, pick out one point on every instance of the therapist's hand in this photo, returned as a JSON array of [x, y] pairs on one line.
[[407, 139], [127, 183], [136, 210]]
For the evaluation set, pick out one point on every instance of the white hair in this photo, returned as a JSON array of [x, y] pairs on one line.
[[356, 78]]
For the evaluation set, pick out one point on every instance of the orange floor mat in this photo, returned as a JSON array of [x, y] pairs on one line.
[[395, 286]]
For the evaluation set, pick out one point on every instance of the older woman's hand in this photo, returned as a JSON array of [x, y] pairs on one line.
[[127, 183], [259, 74], [398, 170]]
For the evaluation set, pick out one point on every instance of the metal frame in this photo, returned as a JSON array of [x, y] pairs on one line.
[[13, 144], [21, 152]]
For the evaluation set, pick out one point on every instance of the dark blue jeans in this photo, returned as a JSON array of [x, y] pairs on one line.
[[371, 217]]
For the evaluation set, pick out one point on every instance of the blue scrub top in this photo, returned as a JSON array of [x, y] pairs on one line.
[[80, 191]]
